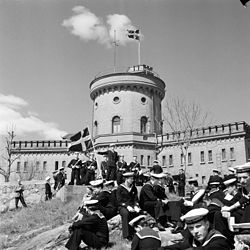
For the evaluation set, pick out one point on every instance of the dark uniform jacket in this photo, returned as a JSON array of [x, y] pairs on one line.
[[48, 193], [146, 239], [157, 169], [122, 166], [126, 196], [182, 180], [112, 157], [105, 204], [160, 192], [214, 241], [95, 223], [134, 166], [147, 195], [75, 163]]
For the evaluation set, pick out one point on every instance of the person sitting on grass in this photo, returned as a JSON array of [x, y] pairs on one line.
[[92, 229], [145, 237]]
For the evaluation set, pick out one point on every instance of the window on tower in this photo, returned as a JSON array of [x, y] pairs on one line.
[[116, 124], [144, 121]]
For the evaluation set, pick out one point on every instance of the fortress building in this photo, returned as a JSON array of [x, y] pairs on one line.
[[127, 111]]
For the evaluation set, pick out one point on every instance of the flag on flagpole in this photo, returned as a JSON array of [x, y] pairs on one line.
[[134, 34], [80, 141], [244, 2]]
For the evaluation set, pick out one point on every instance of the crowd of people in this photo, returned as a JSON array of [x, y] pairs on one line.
[[146, 210], [142, 201]]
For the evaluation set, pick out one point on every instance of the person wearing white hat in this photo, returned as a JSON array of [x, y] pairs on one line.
[[128, 206], [48, 193], [152, 203], [92, 229], [201, 236], [75, 164], [145, 237], [135, 167], [113, 158], [105, 199], [122, 167]]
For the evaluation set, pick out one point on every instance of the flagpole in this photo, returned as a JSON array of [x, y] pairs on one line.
[[139, 51], [115, 44]]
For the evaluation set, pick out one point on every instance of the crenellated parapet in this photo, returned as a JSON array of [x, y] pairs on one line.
[[44, 146], [137, 78], [209, 133]]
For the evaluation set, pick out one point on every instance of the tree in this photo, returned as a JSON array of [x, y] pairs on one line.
[[8, 156], [183, 119]]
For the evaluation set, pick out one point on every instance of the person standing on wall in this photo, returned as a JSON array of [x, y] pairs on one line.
[[112, 160]]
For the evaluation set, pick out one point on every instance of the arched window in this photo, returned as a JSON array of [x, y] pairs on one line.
[[144, 121], [116, 124]]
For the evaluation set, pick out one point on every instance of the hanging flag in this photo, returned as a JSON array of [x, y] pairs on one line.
[[134, 34], [244, 2], [81, 141]]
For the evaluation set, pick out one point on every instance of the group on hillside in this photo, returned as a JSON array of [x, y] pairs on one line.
[[198, 216]]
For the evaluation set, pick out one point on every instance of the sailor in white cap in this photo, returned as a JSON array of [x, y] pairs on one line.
[[156, 168], [145, 237], [202, 236], [105, 200], [48, 193], [154, 202], [122, 167], [135, 167], [91, 229], [128, 206], [113, 158]]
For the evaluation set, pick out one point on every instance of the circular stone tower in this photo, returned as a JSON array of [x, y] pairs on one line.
[[127, 111]]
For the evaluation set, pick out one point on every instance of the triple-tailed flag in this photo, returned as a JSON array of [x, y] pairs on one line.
[[134, 34], [244, 2], [81, 141]]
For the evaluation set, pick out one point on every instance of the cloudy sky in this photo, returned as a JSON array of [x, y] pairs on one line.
[[50, 51]]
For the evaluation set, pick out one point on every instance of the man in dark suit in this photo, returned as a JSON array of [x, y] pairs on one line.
[[122, 167], [75, 165], [112, 160]]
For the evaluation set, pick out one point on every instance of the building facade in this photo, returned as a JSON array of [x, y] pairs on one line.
[[127, 111]]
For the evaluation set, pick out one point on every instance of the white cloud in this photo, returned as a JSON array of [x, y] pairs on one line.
[[88, 26], [12, 114]]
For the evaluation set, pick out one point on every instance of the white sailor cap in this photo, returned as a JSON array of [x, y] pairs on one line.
[[106, 183], [111, 144], [198, 195], [137, 219], [89, 203], [128, 174], [194, 215], [192, 180], [47, 178], [156, 161], [96, 183], [229, 179], [158, 176], [62, 168], [243, 168]]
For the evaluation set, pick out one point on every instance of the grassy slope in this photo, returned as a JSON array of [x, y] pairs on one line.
[[51, 213]]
